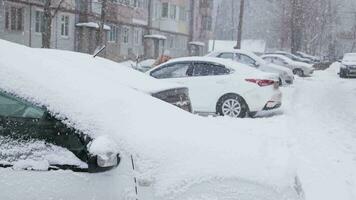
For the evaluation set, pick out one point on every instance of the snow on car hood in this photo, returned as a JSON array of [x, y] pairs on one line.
[[345, 62], [172, 147]]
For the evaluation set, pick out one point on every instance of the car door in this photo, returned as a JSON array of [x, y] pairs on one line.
[[209, 81], [281, 62], [42, 158]]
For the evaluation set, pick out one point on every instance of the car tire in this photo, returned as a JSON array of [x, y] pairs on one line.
[[280, 81], [232, 105], [342, 74], [298, 72]]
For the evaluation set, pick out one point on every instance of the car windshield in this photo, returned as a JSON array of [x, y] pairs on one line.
[[349, 58]]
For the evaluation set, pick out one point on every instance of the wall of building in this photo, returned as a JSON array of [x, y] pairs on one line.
[[28, 35]]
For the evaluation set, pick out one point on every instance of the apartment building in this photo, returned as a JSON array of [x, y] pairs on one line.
[[200, 26], [133, 28], [126, 22], [21, 21], [170, 19]]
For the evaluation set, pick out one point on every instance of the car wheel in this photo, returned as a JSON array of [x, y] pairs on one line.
[[280, 82], [298, 72], [342, 74], [232, 105]]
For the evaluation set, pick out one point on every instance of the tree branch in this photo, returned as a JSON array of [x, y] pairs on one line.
[[57, 9]]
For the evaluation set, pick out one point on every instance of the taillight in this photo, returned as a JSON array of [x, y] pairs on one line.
[[261, 82]]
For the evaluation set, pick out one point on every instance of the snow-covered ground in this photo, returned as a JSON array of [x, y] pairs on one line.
[[319, 119]]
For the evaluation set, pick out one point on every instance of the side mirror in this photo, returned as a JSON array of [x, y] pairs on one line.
[[257, 64], [103, 155]]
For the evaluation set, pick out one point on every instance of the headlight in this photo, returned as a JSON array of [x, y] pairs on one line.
[[107, 160]]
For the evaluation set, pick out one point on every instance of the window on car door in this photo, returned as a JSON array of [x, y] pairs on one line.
[[246, 60], [280, 61], [175, 70], [25, 125], [209, 69], [226, 55]]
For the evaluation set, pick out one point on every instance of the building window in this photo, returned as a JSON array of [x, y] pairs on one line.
[[64, 25], [39, 22], [164, 10], [137, 36], [125, 35], [182, 13], [14, 18], [113, 33], [206, 22], [173, 11]]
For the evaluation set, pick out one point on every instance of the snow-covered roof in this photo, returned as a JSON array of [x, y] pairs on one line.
[[93, 25], [156, 36], [256, 46], [197, 43], [176, 148], [241, 51]]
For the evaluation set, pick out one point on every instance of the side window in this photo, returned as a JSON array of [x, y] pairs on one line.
[[279, 61], [219, 70], [202, 69], [246, 60], [177, 70], [208, 69], [13, 107], [268, 59], [226, 56]]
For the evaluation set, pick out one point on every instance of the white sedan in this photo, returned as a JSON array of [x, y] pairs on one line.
[[299, 68], [249, 58], [220, 86]]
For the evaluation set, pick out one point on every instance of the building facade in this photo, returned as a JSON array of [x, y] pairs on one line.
[[134, 29], [22, 22], [200, 26]]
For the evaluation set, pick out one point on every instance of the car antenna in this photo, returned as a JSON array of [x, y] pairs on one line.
[[99, 50]]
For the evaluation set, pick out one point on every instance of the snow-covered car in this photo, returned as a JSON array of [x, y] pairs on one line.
[[293, 57], [162, 155], [299, 68], [249, 58], [348, 66], [314, 59], [222, 86]]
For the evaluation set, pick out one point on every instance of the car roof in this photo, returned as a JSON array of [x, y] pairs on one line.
[[277, 55], [240, 67], [240, 51]]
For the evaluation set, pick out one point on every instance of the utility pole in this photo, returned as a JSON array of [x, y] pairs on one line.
[[239, 28]]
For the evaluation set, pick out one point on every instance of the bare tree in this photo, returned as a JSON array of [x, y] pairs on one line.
[[48, 14], [101, 32], [239, 28]]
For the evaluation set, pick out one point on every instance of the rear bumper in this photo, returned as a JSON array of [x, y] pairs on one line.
[[274, 103]]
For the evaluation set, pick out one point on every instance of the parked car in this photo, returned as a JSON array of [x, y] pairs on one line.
[[220, 86], [249, 58], [58, 108], [348, 66], [293, 57], [314, 59], [299, 68]]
